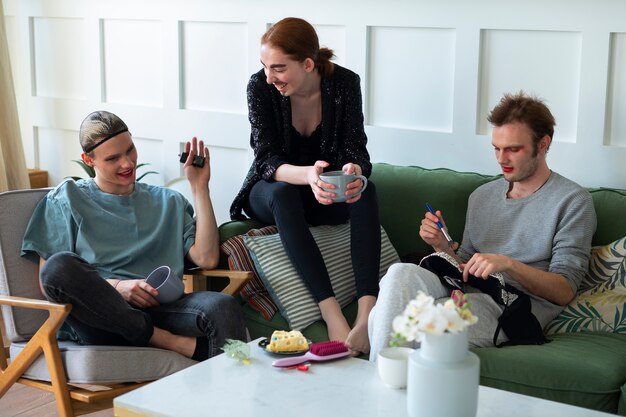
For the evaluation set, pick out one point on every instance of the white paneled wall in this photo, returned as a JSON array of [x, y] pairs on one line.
[[616, 93], [214, 66], [133, 62], [546, 63], [411, 85], [431, 71], [57, 55]]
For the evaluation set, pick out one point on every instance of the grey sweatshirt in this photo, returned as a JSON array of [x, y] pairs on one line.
[[550, 230]]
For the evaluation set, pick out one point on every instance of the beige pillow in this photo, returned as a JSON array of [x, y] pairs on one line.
[[601, 302]]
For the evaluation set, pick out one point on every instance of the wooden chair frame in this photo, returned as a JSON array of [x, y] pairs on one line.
[[71, 400], [196, 280]]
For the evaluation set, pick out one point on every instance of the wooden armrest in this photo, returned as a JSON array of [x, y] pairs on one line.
[[58, 312], [44, 340], [195, 280], [33, 303]]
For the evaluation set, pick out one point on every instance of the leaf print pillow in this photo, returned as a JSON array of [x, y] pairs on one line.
[[601, 301]]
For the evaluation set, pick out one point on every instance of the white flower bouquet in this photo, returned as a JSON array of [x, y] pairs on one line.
[[422, 315]]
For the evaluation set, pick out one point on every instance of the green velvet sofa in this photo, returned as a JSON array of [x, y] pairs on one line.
[[587, 369]]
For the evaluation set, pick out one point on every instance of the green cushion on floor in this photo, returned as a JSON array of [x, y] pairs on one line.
[[546, 371]]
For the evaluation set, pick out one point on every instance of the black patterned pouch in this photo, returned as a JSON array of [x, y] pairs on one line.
[[517, 320]]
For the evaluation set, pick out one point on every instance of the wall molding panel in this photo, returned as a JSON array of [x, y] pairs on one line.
[[133, 62], [407, 94], [213, 65], [57, 56], [430, 73], [616, 102]]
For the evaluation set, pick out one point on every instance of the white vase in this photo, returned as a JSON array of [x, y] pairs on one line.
[[443, 377]]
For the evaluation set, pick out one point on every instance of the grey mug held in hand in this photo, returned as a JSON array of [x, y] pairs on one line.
[[340, 180], [169, 286]]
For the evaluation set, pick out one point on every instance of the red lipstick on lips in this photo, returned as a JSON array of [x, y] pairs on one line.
[[126, 174], [507, 170]]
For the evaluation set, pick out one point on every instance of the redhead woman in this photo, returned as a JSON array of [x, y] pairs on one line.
[[306, 118]]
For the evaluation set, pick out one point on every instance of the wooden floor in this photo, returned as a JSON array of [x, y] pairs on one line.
[[25, 401]]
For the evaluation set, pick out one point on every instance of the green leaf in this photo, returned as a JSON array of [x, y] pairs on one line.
[[145, 173], [620, 320], [607, 268], [573, 319], [88, 169], [397, 340]]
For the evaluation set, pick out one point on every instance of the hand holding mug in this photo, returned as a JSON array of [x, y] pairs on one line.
[[345, 187], [356, 187], [137, 292], [169, 287], [313, 178]]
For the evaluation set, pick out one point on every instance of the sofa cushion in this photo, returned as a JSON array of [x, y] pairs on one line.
[[601, 302], [237, 227], [403, 192], [585, 369], [609, 204], [254, 292], [289, 291]]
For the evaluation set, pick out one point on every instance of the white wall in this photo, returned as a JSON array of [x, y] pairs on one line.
[[431, 70]]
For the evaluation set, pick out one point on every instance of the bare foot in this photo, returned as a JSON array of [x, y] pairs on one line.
[[358, 340], [185, 345], [338, 327]]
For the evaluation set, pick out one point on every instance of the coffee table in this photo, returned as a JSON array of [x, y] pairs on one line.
[[346, 387]]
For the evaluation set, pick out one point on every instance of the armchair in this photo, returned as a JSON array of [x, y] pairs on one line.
[[31, 324]]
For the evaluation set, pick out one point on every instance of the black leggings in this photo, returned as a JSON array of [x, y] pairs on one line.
[[293, 208]]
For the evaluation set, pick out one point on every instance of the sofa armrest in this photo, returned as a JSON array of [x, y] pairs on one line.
[[196, 279], [237, 227]]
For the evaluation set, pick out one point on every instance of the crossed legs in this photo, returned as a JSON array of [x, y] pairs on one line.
[[196, 325]]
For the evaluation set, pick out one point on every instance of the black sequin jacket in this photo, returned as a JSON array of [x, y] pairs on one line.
[[343, 134]]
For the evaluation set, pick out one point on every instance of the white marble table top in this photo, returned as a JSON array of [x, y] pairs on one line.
[[346, 387]]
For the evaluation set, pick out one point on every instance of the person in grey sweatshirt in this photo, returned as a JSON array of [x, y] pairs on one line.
[[532, 226]]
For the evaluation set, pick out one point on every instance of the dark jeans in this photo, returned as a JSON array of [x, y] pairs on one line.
[[293, 208], [101, 316]]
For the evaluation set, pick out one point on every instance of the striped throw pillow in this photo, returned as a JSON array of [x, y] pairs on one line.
[[254, 292], [287, 288]]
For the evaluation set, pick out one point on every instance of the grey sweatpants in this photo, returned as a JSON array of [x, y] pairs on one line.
[[401, 284]]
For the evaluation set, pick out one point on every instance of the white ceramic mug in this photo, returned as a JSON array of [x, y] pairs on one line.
[[340, 180], [169, 286], [392, 363]]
